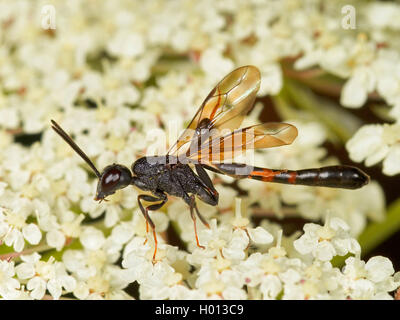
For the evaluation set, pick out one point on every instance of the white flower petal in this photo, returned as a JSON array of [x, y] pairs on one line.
[[128, 44], [112, 216], [122, 233], [271, 80], [16, 239], [92, 238], [355, 90], [25, 270], [32, 233], [379, 268], [270, 286], [305, 244], [56, 239], [81, 291], [54, 288], [366, 141], [37, 286], [391, 165], [324, 251], [260, 236]]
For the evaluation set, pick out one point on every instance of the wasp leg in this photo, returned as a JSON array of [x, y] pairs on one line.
[[161, 197], [202, 219], [206, 181], [193, 206], [190, 200], [208, 193]]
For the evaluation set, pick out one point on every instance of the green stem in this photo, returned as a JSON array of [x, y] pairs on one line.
[[377, 232], [13, 255], [341, 123], [284, 108]]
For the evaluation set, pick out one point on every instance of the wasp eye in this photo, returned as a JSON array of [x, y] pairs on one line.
[[111, 178], [114, 177]]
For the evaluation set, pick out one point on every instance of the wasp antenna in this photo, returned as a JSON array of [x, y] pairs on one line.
[[56, 127]]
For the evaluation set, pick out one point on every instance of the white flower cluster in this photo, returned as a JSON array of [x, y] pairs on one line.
[[355, 207], [115, 74], [374, 68], [228, 268]]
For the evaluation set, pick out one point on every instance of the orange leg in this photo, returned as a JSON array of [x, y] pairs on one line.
[[192, 214], [195, 232], [163, 199], [147, 232], [155, 246]]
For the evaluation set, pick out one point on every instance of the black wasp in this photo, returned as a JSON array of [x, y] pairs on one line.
[[203, 146]]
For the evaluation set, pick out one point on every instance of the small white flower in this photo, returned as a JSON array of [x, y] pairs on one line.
[[379, 268], [328, 241], [60, 233], [271, 80], [92, 238], [367, 144], [123, 232], [391, 165], [106, 284], [215, 65], [9, 286], [356, 89], [14, 230], [42, 276], [126, 44], [270, 286], [383, 15], [374, 143], [236, 246], [371, 280], [260, 236]]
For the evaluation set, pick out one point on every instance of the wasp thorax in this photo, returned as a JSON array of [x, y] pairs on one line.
[[113, 178]]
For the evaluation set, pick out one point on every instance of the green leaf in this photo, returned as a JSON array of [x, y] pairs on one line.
[[376, 233]]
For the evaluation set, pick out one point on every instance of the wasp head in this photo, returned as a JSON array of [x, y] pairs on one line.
[[113, 178]]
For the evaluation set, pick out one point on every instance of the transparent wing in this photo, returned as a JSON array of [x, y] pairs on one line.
[[266, 135], [224, 108]]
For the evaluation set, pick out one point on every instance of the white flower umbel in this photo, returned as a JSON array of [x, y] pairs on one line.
[[257, 235], [42, 276], [328, 241], [370, 280], [94, 267], [63, 233], [124, 78], [14, 229], [376, 143], [162, 280]]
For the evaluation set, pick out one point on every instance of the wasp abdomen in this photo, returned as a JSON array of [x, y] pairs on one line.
[[346, 177]]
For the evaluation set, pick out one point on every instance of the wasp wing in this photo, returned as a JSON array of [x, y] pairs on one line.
[[224, 108], [265, 135]]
